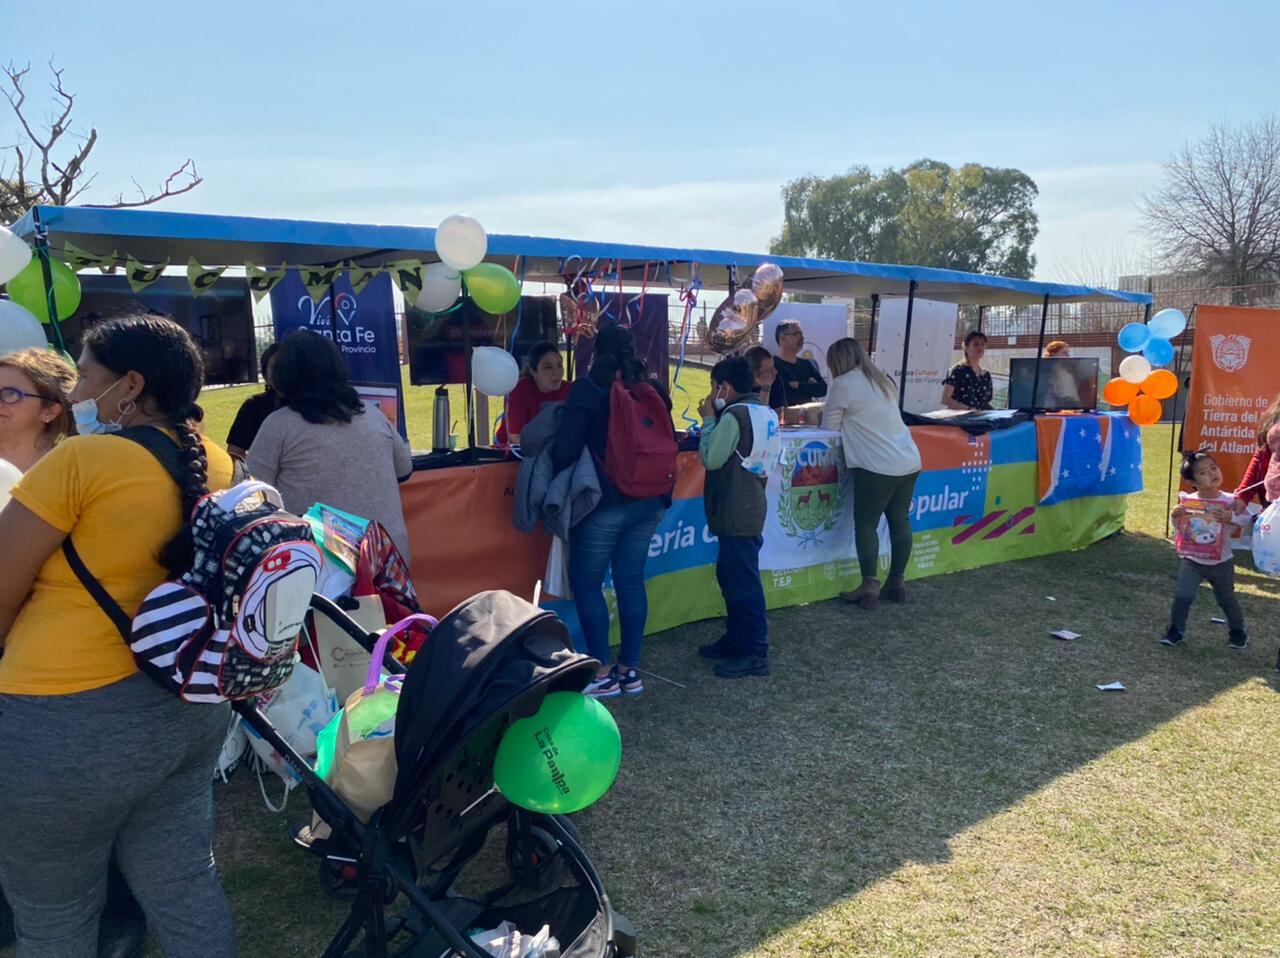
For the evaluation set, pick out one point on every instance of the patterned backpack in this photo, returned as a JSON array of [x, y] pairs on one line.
[[226, 629]]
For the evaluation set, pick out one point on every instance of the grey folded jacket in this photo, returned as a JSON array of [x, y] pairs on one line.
[[560, 500]]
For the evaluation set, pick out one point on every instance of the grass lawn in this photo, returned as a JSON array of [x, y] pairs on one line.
[[220, 406], [941, 780]]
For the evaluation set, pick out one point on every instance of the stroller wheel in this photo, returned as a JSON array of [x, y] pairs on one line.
[[338, 879], [341, 882], [531, 854]]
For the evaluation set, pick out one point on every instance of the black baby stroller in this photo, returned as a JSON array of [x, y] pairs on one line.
[[490, 661]]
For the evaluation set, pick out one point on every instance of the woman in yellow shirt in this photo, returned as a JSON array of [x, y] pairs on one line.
[[96, 755]]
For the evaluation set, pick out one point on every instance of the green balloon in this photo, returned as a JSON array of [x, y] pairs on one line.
[[561, 759], [493, 288], [27, 289]]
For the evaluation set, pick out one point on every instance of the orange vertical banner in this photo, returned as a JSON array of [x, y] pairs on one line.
[[462, 539], [1235, 374]]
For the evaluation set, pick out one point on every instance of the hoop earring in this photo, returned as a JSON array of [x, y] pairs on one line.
[[126, 407]]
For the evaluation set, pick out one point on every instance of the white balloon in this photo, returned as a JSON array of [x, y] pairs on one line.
[[9, 476], [19, 329], [1135, 368], [493, 371], [441, 287], [461, 242], [14, 255]]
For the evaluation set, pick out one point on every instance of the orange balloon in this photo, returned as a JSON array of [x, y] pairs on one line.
[[1119, 392], [1161, 384], [1145, 411]]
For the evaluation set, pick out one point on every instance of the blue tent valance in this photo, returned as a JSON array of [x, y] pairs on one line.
[[154, 236]]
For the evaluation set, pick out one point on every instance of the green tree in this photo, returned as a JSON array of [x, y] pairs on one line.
[[974, 218]]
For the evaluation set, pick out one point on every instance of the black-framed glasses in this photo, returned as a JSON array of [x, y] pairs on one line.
[[12, 395]]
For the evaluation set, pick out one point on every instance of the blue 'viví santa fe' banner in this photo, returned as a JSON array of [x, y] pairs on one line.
[[365, 327]]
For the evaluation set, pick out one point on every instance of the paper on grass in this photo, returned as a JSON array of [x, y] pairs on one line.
[[1111, 687], [1066, 635]]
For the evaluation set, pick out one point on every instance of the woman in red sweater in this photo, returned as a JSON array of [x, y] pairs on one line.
[[1262, 478], [542, 382]]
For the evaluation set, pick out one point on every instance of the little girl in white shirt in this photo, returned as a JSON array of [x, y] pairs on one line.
[[1203, 522]]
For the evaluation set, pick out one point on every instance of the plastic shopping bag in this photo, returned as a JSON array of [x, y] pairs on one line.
[[508, 941], [555, 581], [1266, 540], [299, 710], [362, 769]]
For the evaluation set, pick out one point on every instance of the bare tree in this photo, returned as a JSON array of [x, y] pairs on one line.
[[1096, 265], [47, 163], [1218, 212]]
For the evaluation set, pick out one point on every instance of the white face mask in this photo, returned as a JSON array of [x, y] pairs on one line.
[[86, 415], [719, 402]]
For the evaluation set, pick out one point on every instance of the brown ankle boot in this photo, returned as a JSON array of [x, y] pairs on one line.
[[895, 590], [866, 595]]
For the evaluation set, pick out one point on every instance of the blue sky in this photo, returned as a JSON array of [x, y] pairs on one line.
[[661, 122]]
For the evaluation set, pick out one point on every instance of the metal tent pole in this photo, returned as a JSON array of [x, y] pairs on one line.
[[906, 346], [1174, 425], [51, 300], [981, 311], [1044, 321], [871, 333]]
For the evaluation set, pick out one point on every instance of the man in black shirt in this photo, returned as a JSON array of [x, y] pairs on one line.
[[799, 380]]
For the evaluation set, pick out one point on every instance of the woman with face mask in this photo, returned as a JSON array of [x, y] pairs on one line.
[[119, 764], [35, 414]]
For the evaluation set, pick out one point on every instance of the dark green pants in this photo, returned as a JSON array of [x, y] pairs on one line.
[[874, 496]]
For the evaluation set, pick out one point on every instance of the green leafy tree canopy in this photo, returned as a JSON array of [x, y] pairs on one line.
[[973, 218]]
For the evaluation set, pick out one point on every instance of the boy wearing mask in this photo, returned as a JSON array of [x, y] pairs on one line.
[[739, 446]]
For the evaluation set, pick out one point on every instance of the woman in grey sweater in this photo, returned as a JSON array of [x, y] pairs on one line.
[[322, 446]]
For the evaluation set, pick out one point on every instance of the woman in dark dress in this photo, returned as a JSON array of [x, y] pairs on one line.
[[255, 410], [968, 385]]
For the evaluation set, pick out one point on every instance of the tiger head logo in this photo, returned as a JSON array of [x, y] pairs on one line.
[[1230, 353]]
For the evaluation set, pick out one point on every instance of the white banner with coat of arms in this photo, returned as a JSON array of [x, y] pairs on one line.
[[810, 518]]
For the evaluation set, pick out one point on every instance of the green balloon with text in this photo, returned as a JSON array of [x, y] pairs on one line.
[[562, 758], [493, 288]]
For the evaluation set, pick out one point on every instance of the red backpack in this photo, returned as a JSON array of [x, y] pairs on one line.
[[640, 453]]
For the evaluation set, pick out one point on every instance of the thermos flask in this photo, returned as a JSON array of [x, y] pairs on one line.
[[440, 422]]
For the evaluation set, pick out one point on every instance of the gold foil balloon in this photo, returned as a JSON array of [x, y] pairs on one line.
[[766, 283], [733, 322]]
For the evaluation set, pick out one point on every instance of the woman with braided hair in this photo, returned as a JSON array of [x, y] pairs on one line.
[[96, 756]]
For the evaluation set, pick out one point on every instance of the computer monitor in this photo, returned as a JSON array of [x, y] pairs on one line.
[[1064, 384]]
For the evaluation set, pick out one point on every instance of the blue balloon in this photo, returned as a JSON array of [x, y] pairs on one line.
[[1133, 337], [1168, 323], [1158, 351]]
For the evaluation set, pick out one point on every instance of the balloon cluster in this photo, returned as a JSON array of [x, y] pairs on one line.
[[27, 306], [1140, 386], [461, 244], [745, 309]]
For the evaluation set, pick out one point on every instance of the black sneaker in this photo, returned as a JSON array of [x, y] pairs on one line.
[[1237, 640], [1172, 637], [742, 666], [721, 648]]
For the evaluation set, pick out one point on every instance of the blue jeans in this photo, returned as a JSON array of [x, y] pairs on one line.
[[738, 572], [616, 535]]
